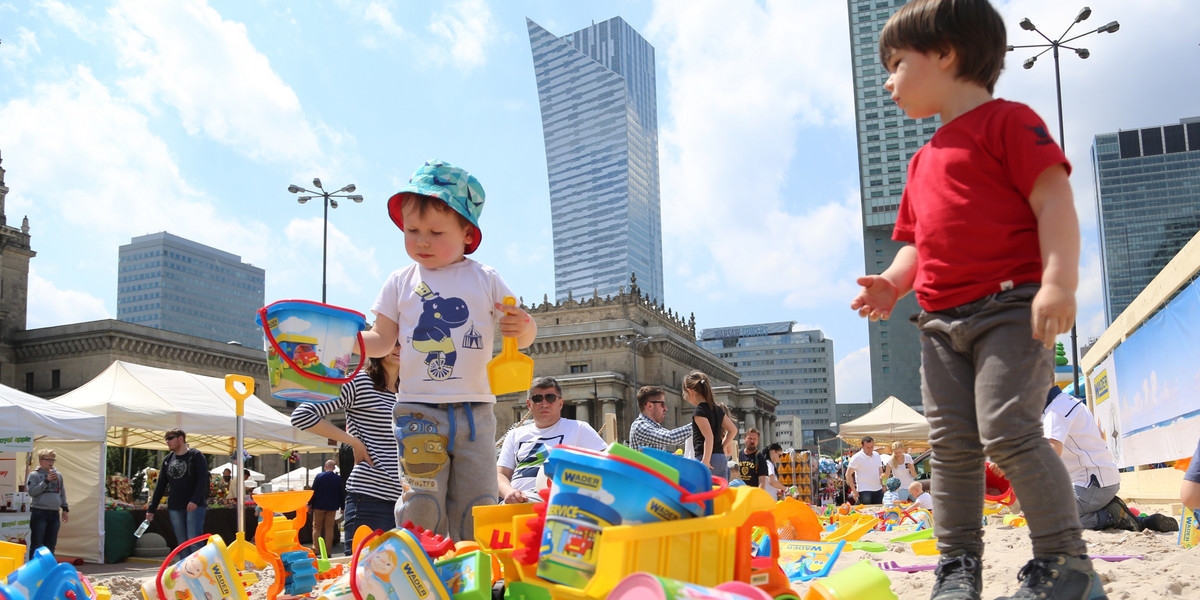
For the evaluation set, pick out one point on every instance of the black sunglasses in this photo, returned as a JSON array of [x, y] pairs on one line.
[[537, 398], [656, 402], [171, 437]]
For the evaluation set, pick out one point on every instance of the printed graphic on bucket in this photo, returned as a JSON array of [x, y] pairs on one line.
[[592, 491], [312, 348], [203, 574]]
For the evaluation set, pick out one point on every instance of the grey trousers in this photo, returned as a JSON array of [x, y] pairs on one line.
[[448, 459], [983, 383], [1091, 501]]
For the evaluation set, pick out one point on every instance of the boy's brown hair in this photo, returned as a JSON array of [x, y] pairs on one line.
[[972, 28], [422, 204]]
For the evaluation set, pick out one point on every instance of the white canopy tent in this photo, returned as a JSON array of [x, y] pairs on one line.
[[296, 479], [892, 420], [77, 439], [220, 470], [141, 403]]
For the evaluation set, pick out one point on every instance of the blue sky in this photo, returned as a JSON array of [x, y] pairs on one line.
[[120, 118]]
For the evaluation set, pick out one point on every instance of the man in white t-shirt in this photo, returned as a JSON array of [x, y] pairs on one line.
[[1076, 438], [526, 447], [864, 474]]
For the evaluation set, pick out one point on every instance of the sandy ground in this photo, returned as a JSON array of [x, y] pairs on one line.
[[1164, 571]]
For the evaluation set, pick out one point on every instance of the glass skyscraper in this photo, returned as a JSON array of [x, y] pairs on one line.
[[886, 141], [795, 366], [167, 282], [596, 88], [1148, 204]]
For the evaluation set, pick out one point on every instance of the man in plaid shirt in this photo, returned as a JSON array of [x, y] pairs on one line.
[[647, 429]]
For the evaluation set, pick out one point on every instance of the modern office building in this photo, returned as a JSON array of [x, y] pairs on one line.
[[887, 139], [1148, 204], [794, 366], [167, 282], [596, 88]]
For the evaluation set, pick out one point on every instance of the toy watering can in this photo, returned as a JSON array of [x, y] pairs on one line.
[[311, 348], [206, 573]]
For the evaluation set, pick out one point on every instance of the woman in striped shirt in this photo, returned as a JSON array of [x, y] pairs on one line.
[[374, 484]]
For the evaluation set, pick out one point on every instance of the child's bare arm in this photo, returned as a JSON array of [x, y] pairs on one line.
[[880, 292], [382, 337], [1058, 234]]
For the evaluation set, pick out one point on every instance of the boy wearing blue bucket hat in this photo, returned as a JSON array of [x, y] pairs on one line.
[[442, 312]]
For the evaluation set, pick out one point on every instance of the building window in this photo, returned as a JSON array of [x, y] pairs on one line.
[[29, 382], [55, 379], [579, 368]]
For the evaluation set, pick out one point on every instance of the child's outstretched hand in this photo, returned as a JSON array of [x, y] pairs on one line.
[[1053, 313], [876, 299], [515, 322]]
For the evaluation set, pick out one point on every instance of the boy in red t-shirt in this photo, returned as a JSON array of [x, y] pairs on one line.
[[992, 253]]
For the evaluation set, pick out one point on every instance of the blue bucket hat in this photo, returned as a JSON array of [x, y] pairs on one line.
[[453, 185], [893, 484]]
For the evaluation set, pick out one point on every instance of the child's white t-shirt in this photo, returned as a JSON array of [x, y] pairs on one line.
[[446, 319], [924, 501]]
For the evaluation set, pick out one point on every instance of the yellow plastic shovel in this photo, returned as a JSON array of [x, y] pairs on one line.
[[510, 371]]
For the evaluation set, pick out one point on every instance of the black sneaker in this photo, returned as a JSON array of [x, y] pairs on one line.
[[1122, 517], [1061, 577], [959, 577], [1159, 523]]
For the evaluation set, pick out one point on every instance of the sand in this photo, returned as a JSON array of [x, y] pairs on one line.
[[1165, 571]]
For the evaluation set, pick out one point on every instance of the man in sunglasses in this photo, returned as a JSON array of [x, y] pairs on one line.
[[185, 472], [526, 447], [647, 430]]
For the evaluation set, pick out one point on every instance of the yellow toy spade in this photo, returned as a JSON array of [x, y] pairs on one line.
[[242, 551], [510, 371]]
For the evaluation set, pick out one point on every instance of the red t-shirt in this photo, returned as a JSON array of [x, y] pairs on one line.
[[966, 204]]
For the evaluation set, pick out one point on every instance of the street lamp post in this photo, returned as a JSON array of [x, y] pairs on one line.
[[330, 202], [1053, 46], [635, 342]]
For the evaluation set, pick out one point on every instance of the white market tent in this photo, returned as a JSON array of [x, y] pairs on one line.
[[141, 403], [254, 475], [296, 479], [77, 439], [892, 420]]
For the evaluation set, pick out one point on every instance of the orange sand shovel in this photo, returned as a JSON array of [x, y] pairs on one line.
[[510, 371]]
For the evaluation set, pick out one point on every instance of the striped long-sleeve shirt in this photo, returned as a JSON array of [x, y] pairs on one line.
[[368, 418], [646, 432]]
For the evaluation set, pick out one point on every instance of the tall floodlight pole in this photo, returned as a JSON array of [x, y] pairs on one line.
[[330, 201], [1053, 46]]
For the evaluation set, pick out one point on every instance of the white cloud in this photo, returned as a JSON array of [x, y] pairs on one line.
[[69, 17], [743, 81], [351, 269], [466, 27], [49, 305], [205, 67], [21, 52], [379, 14], [852, 377]]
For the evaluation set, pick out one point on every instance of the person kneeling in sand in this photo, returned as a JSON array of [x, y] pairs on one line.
[[1075, 437]]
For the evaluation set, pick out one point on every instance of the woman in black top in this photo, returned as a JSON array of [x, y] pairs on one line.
[[712, 429]]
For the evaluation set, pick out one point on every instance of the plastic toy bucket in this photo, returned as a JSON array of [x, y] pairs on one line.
[[644, 586], [311, 348], [861, 581], [1004, 493], [593, 490], [205, 573], [392, 565]]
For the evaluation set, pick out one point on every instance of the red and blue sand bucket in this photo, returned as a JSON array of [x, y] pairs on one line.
[[313, 348]]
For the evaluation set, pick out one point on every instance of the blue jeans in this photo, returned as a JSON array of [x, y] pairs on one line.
[[720, 465], [187, 525], [871, 497], [43, 529], [362, 509]]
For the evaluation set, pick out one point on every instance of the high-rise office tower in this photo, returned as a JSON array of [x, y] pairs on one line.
[[886, 140], [167, 282], [596, 88], [1148, 204], [795, 366]]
